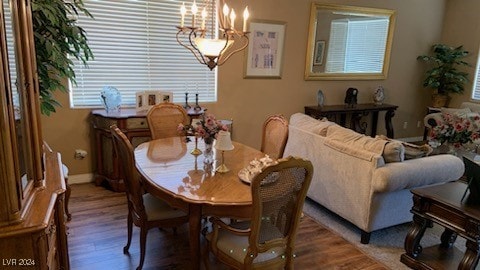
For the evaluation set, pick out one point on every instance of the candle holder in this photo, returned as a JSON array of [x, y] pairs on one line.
[[197, 107], [186, 106], [224, 143], [195, 150]]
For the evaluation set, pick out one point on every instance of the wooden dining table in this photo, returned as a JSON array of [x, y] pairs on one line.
[[184, 181]]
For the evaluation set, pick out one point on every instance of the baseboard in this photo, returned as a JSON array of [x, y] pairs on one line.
[[80, 178]]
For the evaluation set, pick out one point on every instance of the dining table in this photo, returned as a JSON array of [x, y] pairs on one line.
[[171, 172]]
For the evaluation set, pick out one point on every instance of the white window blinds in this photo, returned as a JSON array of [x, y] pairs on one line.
[[135, 49], [476, 83], [357, 45], [11, 53]]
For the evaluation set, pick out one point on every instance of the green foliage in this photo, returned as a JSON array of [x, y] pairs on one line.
[[444, 75], [57, 37]]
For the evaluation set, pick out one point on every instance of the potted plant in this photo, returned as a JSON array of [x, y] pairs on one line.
[[57, 39], [444, 77]]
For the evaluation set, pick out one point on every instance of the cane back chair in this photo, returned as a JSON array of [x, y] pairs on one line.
[[267, 240], [163, 120], [144, 210], [274, 136]]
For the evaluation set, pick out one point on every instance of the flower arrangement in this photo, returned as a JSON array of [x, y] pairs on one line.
[[207, 128], [456, 129]]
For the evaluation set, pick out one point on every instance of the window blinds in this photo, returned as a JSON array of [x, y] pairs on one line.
[[135, 49], [476, 84]]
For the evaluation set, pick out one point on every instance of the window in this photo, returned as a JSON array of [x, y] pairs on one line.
[[135, 49], [357, 45], [476, 83]]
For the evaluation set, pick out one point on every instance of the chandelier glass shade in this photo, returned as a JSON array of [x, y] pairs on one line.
[[214, 50]]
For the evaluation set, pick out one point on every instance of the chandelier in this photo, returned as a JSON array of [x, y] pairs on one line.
[[217, 49]]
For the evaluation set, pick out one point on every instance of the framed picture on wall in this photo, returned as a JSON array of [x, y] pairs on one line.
[[265, 50], [319, 51]]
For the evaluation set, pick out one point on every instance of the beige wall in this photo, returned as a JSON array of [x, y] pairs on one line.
[[250, 101], [462, 27]]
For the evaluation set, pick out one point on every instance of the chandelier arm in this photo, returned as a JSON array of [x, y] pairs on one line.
[[221, 60], [201, 60]]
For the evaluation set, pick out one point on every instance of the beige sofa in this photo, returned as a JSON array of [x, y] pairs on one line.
[[352, 178]]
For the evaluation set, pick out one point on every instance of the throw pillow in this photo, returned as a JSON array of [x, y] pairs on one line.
[[394, 152]]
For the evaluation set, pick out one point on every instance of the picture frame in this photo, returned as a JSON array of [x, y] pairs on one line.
[[146, 99], [319, 52], [264, 55]]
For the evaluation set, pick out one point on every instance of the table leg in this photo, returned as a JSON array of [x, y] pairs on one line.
[[448, 238], [471, 256], [195, 217], [412, 241], [388, 122]]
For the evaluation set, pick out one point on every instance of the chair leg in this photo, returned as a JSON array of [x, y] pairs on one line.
[[129, 229], [143, 243]]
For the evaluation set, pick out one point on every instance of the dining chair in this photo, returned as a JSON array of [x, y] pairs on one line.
[[267, 240], [274, 136], [163, 120], [144, 210]]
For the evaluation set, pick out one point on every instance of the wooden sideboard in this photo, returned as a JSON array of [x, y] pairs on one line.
[[356, 112], [135, 126]]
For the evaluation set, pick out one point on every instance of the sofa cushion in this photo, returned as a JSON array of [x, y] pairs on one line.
[[411, 150], [390, 151], [305, 122]]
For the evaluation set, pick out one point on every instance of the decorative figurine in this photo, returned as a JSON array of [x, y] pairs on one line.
[[351, 97], [379, 95], [320, 98], [186, 101]]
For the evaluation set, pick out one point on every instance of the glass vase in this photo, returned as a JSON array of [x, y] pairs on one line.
[[208, 153]]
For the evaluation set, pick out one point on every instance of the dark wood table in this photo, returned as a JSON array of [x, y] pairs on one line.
[[443, 205], [171, 173], [356, 112]]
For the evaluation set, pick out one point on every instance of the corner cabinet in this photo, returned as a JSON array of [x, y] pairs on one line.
[[32, 188]]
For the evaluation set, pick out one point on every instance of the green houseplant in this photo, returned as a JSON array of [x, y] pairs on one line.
[[443, 76], [57, 38]]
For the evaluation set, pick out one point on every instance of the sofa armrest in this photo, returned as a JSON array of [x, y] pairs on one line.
[[417, 172]]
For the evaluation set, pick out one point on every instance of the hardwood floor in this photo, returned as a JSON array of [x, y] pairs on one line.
[[98, 232]]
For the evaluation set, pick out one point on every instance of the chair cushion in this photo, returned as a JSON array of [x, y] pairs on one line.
[[157, 209], [236, 246]]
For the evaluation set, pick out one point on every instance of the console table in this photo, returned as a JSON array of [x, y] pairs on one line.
[[135, 126], [356, 112], [442, 204]]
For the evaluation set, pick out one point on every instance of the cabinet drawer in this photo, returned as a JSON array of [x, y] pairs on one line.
[[103, 123], [137, 123]]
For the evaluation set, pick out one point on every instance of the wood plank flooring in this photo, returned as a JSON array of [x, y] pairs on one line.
[[98, 232]]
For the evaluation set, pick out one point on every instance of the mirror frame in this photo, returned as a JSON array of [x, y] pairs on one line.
[[315, 7]]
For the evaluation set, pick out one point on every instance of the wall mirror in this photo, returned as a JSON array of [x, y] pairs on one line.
[[348, 43]]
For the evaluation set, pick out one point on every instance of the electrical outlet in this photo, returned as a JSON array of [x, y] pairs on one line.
[[405, 125], [80, 154]]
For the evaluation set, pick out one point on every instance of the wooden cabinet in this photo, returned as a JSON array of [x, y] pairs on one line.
[[135, 126], [32, 222]]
